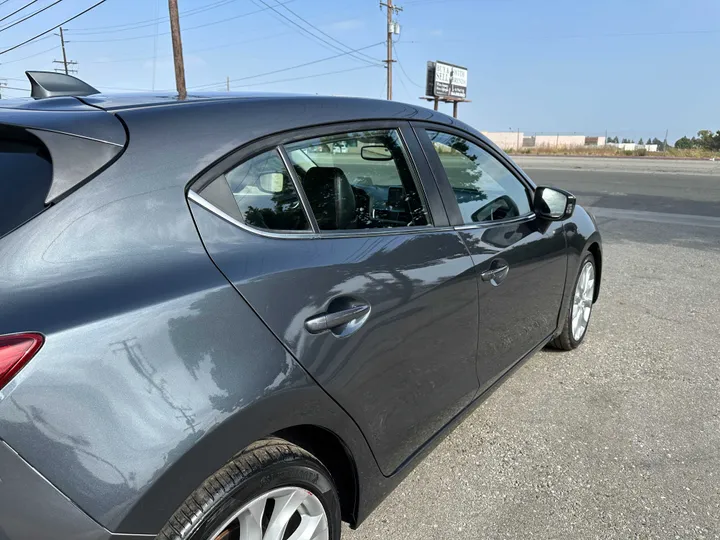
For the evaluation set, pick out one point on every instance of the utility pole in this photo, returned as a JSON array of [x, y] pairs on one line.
[[62, 42], [177, 49], [2, 84], [665, 146], [228, 83], [65, 62], [391, 9]]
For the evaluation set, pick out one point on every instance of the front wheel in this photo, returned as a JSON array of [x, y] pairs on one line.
[[577, 318], [273, 490]]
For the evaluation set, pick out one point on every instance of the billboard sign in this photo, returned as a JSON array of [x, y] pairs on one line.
[[446, 80]]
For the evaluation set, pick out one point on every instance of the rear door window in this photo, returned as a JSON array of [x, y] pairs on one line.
[[25, 178], [358, 180], [264, 192]]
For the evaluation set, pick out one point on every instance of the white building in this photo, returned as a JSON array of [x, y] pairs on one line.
[[507, 140], [631, 147], [514, 140]]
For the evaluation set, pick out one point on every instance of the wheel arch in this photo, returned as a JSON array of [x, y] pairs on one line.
[[596, 251], [332, 452]]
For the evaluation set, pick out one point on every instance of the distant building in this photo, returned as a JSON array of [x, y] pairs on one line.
[[507, 140], [513, 140], [631, 147]]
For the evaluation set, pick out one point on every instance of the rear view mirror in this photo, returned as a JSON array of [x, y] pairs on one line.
[[376, 152], [271, 182], [554, 204]]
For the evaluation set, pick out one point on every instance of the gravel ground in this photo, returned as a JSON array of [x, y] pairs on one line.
[[618, 439]]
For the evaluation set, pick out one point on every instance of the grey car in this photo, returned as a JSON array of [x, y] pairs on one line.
[[246, 317]]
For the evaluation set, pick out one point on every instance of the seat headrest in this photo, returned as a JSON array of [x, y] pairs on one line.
[[331, 198]]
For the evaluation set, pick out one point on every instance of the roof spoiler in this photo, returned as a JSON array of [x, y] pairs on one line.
[[45, 84]]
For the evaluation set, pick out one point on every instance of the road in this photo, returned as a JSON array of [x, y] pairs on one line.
[[620, 438]]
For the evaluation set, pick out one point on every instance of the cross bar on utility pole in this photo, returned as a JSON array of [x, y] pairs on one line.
[[65, 62]]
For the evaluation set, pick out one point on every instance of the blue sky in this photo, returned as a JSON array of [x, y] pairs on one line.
[[633, 67]]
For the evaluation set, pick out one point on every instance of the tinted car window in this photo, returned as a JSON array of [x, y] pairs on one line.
[[265, 194], [485, 189], [358, 180], [25, 178]]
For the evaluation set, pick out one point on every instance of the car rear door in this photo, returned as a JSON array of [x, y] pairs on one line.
[[337, 240], [520, 260]]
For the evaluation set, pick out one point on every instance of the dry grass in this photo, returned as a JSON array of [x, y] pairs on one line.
[[612, 151]]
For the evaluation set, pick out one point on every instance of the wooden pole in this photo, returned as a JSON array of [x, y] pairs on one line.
[[177, 49], [62, 42]]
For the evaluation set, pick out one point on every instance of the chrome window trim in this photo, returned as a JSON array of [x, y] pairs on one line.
[[309, 235], [198, 199], [309, 214], [487, 224]]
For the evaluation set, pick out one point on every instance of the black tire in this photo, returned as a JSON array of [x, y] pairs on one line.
[[565, 340], [263, 466]]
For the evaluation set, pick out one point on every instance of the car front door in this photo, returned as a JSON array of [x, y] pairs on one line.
[[348, 257], [520, 259]]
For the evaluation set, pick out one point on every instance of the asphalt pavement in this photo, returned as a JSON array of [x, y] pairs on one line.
[[620, 438]]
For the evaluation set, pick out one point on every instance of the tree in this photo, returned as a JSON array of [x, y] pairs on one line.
[[641, 141], [708, 140], [660, 144], [684, 143]]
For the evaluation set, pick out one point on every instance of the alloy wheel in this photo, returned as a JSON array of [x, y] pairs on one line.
[[582, 301], [288, 513]]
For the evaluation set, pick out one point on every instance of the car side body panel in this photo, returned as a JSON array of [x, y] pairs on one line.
[[410, 368], [582, 236], [33, 509], [149, 379]]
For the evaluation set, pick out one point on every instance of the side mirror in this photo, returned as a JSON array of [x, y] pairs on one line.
[[554, 204], [271, 182], [376, 152]]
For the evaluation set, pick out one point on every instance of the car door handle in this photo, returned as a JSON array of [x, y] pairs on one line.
[[333, 319], [496, 275]]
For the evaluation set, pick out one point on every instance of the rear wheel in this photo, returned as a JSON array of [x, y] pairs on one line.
[[577, 318], [273, 490]]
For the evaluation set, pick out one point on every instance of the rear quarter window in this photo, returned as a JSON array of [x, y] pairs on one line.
[[25, 178]]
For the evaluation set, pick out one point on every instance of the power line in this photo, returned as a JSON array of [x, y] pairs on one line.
[[18, 10], [308, 76], [15, 23], [213, 47], [292, 67], [147, 22], [30, 56], [168, 33], [53, 28], [591, 36], [303, 29], [324, 33], [36, 41], [403, 69]]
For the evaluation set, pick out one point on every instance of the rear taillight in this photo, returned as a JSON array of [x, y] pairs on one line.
[[16, 350]]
